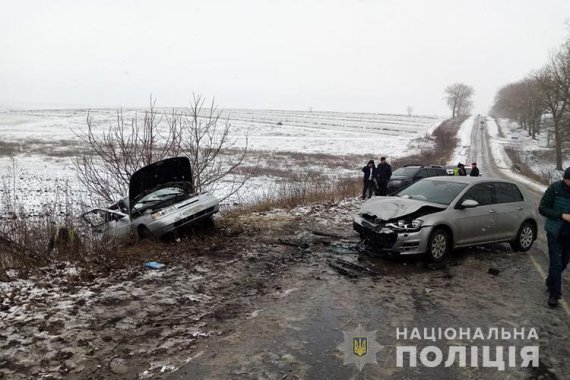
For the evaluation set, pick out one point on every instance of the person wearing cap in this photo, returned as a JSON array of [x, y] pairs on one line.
[[555, 207], [474, 170], [369, 176]]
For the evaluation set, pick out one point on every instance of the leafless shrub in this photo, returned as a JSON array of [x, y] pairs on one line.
[[197, 132]]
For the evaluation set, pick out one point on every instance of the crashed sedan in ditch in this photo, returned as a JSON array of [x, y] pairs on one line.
[[435, 215], [161, 200]]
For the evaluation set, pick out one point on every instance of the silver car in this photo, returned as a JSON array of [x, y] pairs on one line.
[[161, 199], [437, 214]]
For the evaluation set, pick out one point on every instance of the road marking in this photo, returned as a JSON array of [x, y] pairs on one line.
[[543, 274]]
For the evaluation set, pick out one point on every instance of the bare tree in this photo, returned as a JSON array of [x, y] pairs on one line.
[[521, 102], [116, 153], [554, 84], [213, 152], [409, 110], [458, 97]]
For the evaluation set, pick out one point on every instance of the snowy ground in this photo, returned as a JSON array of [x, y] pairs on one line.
[[42, 173], [529, 149], [461, 153]]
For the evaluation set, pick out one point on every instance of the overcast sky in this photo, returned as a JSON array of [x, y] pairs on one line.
[[369, 55]]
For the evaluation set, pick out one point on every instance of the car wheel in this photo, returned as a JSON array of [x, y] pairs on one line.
[[525, 237], [144, 232], [439, 245]]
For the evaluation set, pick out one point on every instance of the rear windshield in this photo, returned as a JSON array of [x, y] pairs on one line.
[[441, 192]]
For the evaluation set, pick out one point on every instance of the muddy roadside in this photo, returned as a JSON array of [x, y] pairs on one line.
[[136, 322], [270, 299]]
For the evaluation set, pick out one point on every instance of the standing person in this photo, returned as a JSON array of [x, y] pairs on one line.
[[462, 171], [555, 206], [456, 169], [474, 170], [369, 174], [383, 174]]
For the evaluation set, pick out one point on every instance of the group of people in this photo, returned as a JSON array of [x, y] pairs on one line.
[[376, 178], [460, 170]]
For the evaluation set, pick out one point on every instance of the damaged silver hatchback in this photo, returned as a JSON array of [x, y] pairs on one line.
[[161, 200], [435, 215]]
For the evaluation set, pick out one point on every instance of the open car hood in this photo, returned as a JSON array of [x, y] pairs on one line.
[[171, 172], [388, 208]]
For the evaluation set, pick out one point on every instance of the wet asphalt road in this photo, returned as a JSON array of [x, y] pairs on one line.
[[295, 333]]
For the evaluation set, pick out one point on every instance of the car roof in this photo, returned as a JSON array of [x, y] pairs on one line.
[[467, 179]]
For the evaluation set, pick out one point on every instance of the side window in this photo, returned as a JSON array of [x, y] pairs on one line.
[[431, 172], [421, 174], [507, 192], [482, 193]]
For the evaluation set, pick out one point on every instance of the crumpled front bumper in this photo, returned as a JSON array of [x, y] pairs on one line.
[[387, 240]]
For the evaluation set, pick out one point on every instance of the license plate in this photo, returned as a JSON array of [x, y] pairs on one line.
[[192, 210]]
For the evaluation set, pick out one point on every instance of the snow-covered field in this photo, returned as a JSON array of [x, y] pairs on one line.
[[36, 175]]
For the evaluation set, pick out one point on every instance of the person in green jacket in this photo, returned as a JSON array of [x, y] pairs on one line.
[[555, 206]]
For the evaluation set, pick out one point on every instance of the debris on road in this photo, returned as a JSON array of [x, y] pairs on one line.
[[494, 271], [154, 265]]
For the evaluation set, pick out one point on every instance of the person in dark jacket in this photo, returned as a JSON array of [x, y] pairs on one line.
[[383, 174], [369, 177], [555, 206], [474, 170]]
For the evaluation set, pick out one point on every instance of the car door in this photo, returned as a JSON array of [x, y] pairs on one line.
[[109, 223], [510, 210], [420, 175], [476, 225]]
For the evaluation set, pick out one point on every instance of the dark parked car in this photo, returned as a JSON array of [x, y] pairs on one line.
[[435, 215], [409, 174]]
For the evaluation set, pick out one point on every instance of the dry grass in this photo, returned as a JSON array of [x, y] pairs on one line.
[[58, 148], [290, 194], [443, 143]]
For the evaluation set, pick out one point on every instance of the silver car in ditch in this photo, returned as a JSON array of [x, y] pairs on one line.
[[161, 200], [437, 214]]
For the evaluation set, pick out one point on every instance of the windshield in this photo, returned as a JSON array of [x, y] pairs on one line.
[[405, 172], [158, 196], [441, 192]]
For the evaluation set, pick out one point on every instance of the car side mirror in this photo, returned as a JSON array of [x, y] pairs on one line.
[[469, 203]]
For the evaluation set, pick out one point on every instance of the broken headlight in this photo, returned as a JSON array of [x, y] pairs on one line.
[[406, 225], [159, 214]]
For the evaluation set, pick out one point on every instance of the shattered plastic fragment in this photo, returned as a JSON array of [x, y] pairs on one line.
[[154, 265]]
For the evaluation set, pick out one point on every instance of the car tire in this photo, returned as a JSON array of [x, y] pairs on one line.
[[144, 232], [439, 245], [526, 235]]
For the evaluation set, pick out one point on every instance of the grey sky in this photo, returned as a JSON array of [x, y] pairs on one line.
[[370, 56]]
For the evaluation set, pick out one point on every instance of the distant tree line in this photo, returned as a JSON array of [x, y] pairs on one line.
[[541, 101]]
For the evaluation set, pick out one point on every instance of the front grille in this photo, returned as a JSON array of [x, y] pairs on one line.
[[380, 240]]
